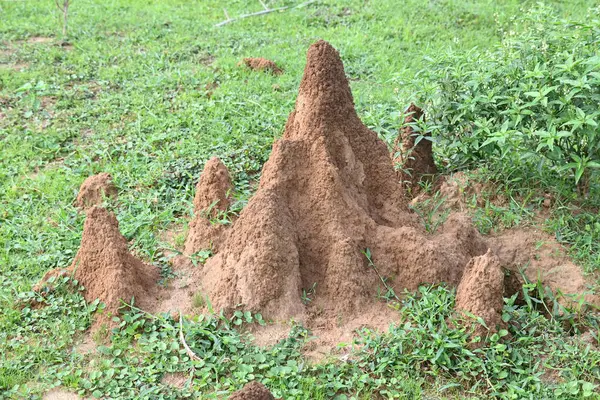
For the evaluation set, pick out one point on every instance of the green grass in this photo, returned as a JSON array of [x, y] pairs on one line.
[[148, 91]]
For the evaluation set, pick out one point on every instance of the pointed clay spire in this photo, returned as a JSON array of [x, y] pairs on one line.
[[211, 197], [104, 265], [324, 95]]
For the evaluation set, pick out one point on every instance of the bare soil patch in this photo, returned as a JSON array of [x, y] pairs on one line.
[[177, 379], [60, 394], [40, 39]]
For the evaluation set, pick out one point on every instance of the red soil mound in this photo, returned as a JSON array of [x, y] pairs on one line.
[[480, 292], [106, 268], [252, 391], [262, 64], [329, 191], [415, 159], [94, 188], [212, 197]]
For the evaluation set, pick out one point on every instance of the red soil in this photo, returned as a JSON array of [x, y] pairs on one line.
[[262, 64], [106, 268], [480, 292], [94, 189]]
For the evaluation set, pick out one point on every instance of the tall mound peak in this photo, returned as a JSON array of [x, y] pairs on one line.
[[324, 96], [328, 192]]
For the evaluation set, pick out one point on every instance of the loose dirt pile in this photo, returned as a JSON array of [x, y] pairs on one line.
[[252, 391], [94, 189], [328, 192], [212, 198], [415, 158], [263, 65], [480, 292]]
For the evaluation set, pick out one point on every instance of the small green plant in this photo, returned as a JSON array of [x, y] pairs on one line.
[[431, 212], [307, 294], [201, 256], [389, 294], [528, 107], [199, 300]]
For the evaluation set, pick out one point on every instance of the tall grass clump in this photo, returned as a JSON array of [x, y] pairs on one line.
[[528, 109]]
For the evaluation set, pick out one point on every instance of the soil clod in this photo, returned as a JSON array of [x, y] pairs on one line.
[[480, 292], [263, 65]]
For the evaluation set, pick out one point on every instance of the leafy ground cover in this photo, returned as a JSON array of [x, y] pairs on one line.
[[148, 91]]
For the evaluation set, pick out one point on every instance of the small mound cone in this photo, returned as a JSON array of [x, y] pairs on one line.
[[263, 65], [480, 292], [106, 268], [212, 196], [252, 391], [327, 192], [94, 189], [416, 160]]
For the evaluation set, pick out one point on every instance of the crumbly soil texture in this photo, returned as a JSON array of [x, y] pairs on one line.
[[94, 189], [252, 391]]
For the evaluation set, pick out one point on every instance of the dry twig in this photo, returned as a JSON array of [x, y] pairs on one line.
[[266, 10], [189, 351]]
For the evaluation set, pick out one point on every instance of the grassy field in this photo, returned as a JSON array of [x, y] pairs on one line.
[[148, 91]]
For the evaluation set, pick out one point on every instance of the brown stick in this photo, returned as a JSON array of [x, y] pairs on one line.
[[189, 351], [265, 11]]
